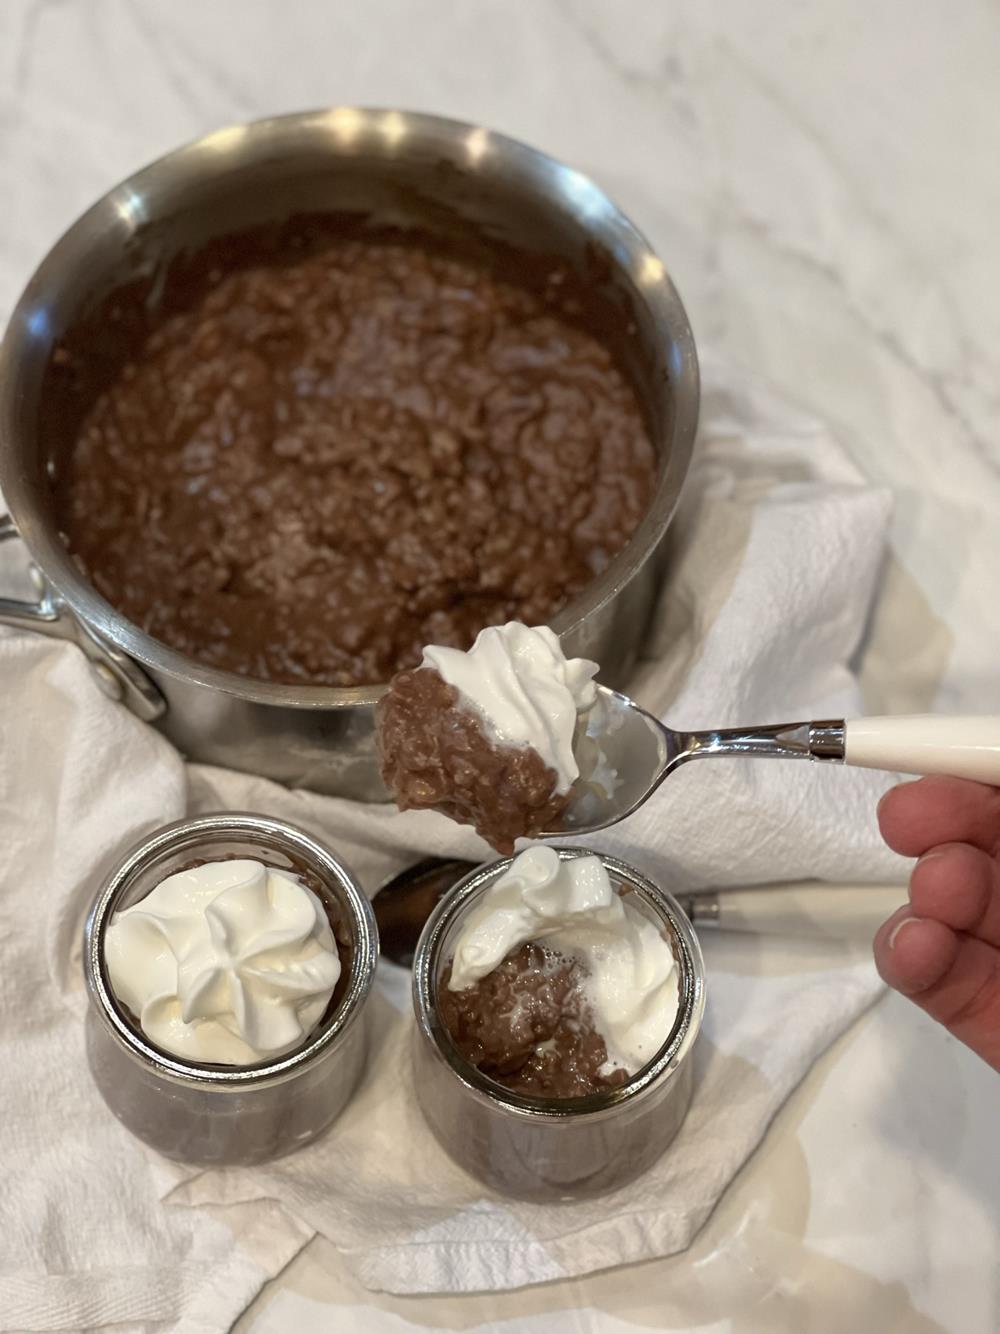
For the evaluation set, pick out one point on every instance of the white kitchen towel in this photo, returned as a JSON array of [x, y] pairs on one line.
[[774, 569], [84, 1238]]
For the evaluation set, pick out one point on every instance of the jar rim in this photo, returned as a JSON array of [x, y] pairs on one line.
[[677, 1044], [196, 834]]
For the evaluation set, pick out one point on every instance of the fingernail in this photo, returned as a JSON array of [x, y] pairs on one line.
[[907, 921]]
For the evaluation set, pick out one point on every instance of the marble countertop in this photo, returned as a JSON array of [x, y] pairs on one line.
[[823, 182]]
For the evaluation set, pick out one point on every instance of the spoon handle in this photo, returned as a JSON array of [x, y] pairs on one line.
[[920, 744], [783, 741], [809, 909], [926, 744]]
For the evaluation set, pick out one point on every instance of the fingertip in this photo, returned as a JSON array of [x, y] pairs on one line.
[[895, 815], [918, 815], [913, 953], [881, 947], [888, 800], [953, 884], [885, 930], [897, 791]]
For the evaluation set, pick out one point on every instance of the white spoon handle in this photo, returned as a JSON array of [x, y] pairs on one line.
[[807, 909], [926, 744]]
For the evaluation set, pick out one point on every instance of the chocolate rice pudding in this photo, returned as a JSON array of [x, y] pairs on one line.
[[527, 1026], [435, 755], [323, 461]]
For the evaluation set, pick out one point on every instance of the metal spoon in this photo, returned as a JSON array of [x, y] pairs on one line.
[[642, 752], [403, 904]]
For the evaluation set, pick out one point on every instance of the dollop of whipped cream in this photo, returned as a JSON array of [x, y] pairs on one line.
[[228, 963], [526, 690], [571, 905]]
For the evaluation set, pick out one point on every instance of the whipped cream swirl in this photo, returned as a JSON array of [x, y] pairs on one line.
[[571, 906], [228, 963], [525, 688]]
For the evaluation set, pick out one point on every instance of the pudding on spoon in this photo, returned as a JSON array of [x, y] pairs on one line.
[[488, 736]]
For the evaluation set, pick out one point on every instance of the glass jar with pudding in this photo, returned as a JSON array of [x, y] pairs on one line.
[[228, 960], [558, 998]]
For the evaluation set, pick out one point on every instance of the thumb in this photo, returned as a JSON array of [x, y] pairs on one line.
[[954, 977]]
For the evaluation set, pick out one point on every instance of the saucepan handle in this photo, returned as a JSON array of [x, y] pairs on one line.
[[114, 671], [43, 615], [926, 744]]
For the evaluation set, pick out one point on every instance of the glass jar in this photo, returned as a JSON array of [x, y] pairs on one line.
[[543, 1149], [214, 1114]]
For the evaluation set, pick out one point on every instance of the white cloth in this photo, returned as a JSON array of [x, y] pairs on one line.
[[775, 564], [85, 1238]]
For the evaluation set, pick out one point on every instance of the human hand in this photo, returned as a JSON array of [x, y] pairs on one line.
[[942, 950]]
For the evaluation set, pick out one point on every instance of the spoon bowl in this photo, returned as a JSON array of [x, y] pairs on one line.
[[625, 753]]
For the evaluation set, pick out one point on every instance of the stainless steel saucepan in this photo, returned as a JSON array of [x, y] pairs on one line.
[[392, 167]]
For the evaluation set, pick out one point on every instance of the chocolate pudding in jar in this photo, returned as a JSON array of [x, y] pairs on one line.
[[228, 960], [335, 445], [557, 997]]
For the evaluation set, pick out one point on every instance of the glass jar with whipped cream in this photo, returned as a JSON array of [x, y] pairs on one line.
[[228, 960], [558, 998]]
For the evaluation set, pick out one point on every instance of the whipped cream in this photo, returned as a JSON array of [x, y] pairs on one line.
[[572, 906], [525, 688], [228, 963]]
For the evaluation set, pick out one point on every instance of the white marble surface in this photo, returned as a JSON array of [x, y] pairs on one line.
[[823, 181]]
